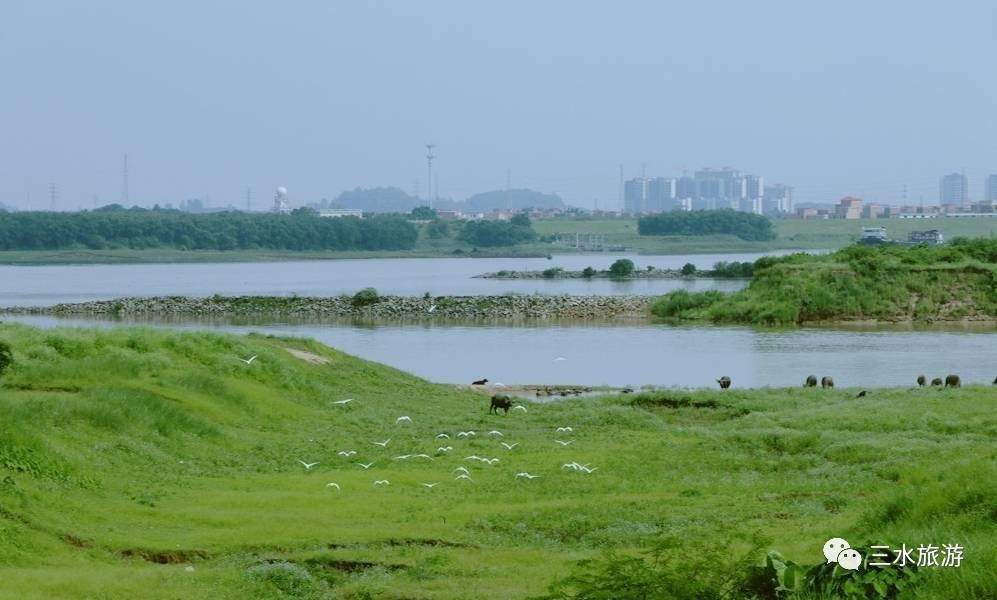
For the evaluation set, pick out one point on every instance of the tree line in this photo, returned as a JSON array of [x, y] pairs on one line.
[[137, 228], [746, 226]]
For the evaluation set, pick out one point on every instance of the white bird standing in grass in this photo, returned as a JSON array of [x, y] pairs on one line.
[[382, 482], [383, 444], [403, 419], [509, 446], [346, 453], [366, 466], [249, 360], [519, 407], [526, 475], [430, 485], [333, 485], [307, 465], [343, 402], [565, 443]]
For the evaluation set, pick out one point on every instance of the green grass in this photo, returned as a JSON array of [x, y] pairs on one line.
[[888, 283], [120, 448]]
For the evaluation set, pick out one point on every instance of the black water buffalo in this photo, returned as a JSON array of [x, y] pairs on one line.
[[861, 394], [921, 380], [479, 382], [724, 382], [953, 381], [995, 380], [826, 382], [500, 401], [937, 381], [811, 381]]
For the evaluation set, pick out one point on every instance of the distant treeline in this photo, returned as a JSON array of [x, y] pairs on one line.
[[744, 225], [114, 227]]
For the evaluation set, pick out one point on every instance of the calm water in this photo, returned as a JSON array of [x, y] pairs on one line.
[[640, 354], [46, 285]]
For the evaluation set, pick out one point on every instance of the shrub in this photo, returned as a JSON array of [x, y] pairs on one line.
[[365, 297], [552, 272], [688, 269], [746, 226], [588, 272], [287, 577], [6, 357], [623, 267], [733, 269]]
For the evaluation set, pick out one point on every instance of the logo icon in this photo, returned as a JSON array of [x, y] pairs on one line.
[[837, 550]]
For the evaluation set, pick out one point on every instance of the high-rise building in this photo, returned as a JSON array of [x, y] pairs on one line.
[[635, 195], [778, 198], [990, 189], [685, 188], [660, 195], [954, 189]]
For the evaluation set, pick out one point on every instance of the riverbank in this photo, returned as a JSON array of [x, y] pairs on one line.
[[113, 437], [648, 273], [511, 306]]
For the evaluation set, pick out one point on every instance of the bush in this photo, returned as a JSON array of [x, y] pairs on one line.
[[6, 357], [688, 269], [438, 229], [733, 269], [623, 267], [288, 578], [497, 233], [588, 272], [365, 297], [746, 226], [552, 272]]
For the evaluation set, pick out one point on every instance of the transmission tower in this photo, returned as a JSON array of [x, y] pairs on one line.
[[124, 182], [429, 168]]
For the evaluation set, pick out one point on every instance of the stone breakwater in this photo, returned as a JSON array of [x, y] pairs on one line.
[[385, 307]]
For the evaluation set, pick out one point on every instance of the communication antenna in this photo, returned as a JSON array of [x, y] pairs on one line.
[[124, 182], [53, 194], [429, 169]]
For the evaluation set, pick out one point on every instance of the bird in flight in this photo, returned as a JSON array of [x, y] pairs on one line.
[[519, 407], [343, 402], [432, 308], [430, 485], [567, 429], [249, 360], [509, 446], [526, 475], [346, 453], [442, 436], [333, 485], [495, 432], [366, 466], [565, 443], [472, 457], [443, 449], [403, 418], [463, 476], [462, 470], [559, 359], [307, 465], [382, 482], [466, 434], [403, 457], [383, 444]]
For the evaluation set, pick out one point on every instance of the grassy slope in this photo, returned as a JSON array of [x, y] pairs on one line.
[[886, 284], [140, 442]]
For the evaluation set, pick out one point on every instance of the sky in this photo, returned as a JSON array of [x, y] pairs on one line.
[[211, 98]]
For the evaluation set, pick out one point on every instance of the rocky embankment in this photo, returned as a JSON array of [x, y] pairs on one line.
[[643, 274], [382, 307]]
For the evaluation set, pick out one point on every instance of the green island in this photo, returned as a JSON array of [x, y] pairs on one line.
[[163, 464], [956, 282]]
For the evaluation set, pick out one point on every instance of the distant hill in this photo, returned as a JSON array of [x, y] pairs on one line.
[[514, 199], [379, 200]]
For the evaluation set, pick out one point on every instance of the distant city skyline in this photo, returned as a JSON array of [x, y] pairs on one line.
[[208, 100]]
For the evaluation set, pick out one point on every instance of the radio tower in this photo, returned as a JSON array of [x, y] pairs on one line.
[[429, 168], [124, 183]]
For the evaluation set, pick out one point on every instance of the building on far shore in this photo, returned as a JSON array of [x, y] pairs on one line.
[[873, 235], [340, 212], [953, 189], [990, 189], [849, 208], [932, 237]]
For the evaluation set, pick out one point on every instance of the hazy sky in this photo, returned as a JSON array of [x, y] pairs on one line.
[[209, 97]]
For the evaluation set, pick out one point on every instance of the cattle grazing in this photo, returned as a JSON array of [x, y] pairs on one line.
[[826, 382], [862, 394], [952, 381], [479, 382], [937, 381], [724, 382], [995, 380], [921, 380], [500, 401], [811, 381]]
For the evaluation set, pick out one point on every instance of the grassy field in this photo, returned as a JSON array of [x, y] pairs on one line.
[[156, 464], [790, 233]]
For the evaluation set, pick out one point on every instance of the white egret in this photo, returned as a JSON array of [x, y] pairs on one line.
[[343, 402], [526, 475], [383, 444], [509, 446], [366, 466], [382, 482], [430, 485], [333, 485], [403, 419], [307, 465], [249, 360]]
